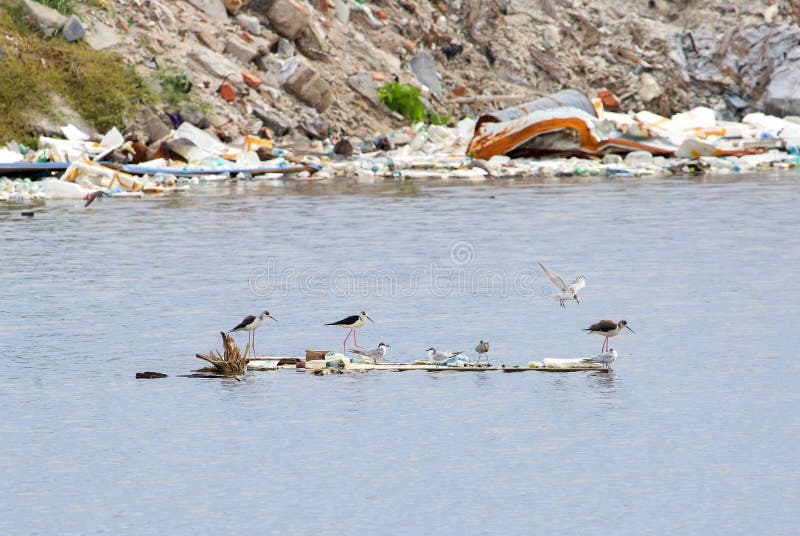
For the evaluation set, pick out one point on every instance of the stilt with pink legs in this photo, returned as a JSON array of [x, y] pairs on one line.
[[351, 323], [608, 328]]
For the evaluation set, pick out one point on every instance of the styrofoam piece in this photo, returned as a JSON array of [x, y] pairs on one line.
[[700, 117], [113, 138], [200, 138], [568, 363], [248, 159], [763, 121], [694, 148], [73, 133], [58, 189], [10, 157], [650, 125]]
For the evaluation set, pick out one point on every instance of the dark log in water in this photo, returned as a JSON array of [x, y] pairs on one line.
[[149, 375]]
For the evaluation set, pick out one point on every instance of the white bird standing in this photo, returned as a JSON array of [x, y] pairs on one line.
[[440, 356], [568, 292], [352, 323], [608, 328], [375, 354], [482, 348], [605, 359], [251, 323]]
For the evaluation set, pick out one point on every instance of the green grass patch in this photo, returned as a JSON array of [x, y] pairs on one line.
[[404, 99], [96, 84], [175, 85], [65, 7]]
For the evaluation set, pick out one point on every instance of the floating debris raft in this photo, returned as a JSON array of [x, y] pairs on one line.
[[324, 362]]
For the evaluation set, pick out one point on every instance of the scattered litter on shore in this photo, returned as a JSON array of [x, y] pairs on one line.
[[566, 134]]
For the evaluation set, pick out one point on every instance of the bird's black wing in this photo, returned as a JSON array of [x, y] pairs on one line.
[[603, 325], [244, 323], [345, 321]]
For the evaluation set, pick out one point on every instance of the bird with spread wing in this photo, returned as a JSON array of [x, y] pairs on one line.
[[567, 292]]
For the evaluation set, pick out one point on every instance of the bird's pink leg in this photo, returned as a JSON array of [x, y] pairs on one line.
[[344, 343], [254, 344]]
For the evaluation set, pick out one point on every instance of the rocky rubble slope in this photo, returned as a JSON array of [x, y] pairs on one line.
[[312, 69]]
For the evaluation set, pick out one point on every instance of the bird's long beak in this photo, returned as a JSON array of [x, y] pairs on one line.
[[387, 346], [272, 317], [630, 329], [371, 320]]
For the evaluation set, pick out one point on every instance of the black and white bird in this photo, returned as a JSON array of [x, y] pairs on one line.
[[482, 348], [440, 356], [608, 328], [375, 354], [352, 323], [567, 292], [251, 323]]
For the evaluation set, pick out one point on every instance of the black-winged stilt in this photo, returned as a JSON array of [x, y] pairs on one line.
[[568, 292], [482, 348], [608, 328], [252, 323], [352, 323]]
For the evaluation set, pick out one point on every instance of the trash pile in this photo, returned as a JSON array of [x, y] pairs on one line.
[[91, 169], [561, 135], [311, 69]]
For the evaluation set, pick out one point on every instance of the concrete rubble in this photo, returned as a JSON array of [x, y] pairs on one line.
[[734, 57], [672, 86]]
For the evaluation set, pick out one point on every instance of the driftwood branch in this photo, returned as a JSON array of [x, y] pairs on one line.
[[232, 362]]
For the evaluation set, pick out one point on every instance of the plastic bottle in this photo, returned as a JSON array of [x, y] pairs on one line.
[[639, 159]]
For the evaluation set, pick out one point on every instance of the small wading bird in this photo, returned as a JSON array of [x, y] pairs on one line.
[[482, 348], [605, 359], [568, 292], [440, 356], [375, 354], [99, 194], [252, 323], [352, 323], [608, 328]]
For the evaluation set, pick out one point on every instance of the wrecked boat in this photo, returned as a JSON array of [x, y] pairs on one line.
[[563, 124]]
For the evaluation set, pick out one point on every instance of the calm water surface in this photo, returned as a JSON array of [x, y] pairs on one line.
[[696, 431]]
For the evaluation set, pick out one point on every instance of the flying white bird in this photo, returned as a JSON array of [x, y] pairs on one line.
[[375, 354], [605, 359], [568, 292]]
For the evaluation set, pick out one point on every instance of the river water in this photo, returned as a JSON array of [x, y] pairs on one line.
[[695, 431]]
